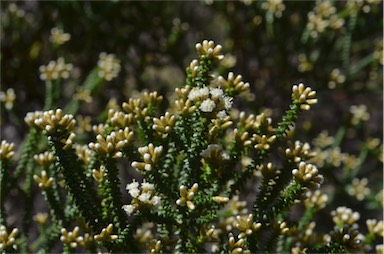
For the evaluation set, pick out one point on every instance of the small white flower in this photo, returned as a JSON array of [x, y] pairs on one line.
[[216, 93], [145, 197], [155, 200], [134, 192], [207, 105], [129, 209], [133, 185], [198, 93], [147, 186], [227, 102], [221, 114]]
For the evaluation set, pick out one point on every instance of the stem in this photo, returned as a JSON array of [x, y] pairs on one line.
[[48, 95]]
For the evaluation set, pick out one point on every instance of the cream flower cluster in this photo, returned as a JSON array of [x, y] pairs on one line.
[[6, 150], [209, 50], [55, 70], [304, 96], [58, 36], [211, 100], [113, 143], [246, 225], [8, 97], [51, 121], [299, 151], [150, 154], [7, 239], [275, 6], [308, 175], [344, 215], [109, 66], [142, 196], [186, 196]]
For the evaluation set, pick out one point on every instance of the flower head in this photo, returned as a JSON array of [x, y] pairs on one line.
[[209, 50], [8, 98], [303, 96], [109, 66], [58, 36], [308, 175]]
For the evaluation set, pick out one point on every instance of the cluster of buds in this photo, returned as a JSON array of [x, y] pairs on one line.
[[219, 124], [8, 98], [252, 123], [274, 6], [263, 142], [72, 238], [209, 50], [109, 66], [69, 238], [269, 171], [135, 106], [233, 85], [348, 236], [150, 154], [316, 199], [84, 153], [55, 70], [44, 159], [241, 137], [303, 96], [164, 124], [106, 234], [193, 68], [359, 188], [237, 247], [7, 240], [298, 152], [344, 215], [246, 225], [187, 195], [113, 143], [31, 117], [308, 175], [98, 174], [120, 119], [54, 121], [152, 98], [142, 196], [6, 150], [359, 114], [211, 100], [375, 227], [44, 182], [281, 226]]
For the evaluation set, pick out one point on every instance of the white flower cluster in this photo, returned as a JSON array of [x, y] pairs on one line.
[[211, 100], [142, 196]]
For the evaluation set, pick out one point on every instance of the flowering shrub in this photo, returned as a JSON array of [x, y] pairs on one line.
[[197, 169]]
